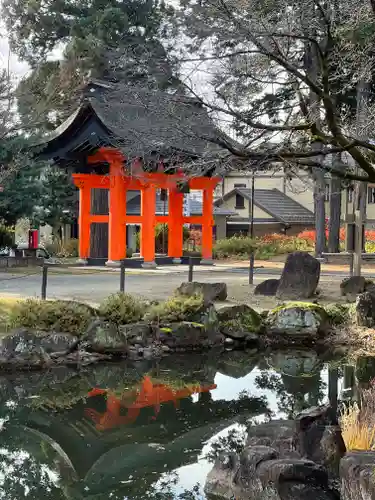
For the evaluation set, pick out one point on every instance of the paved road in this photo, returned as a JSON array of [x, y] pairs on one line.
[[96, 286]]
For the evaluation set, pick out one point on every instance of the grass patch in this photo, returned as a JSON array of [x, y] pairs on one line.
[[178, 308], [122, 309], [7, 306]]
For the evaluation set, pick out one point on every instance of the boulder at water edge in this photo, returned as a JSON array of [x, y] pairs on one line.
[[297, 320], [188, 335], [105, 337], [239, 322], [22, 349], [300, 277], [211, 291], [261, 474], [267, 287]]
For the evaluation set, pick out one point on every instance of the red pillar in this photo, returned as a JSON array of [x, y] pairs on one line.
[[207, 224], [175, 223], [148, 207], [84, 219], [117, 213]]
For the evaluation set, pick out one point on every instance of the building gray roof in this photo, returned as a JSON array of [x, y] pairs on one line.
[[133, 206], [281, 207], [142, 122]]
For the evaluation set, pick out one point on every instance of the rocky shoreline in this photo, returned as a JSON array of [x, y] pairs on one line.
[[294, 459], [51, 333], [230, 327]]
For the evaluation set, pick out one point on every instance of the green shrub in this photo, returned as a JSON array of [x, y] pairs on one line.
[[236, 245], [264, 248], [178, 308], [122, 308], [56, 315], [340, 314], [63, 249]]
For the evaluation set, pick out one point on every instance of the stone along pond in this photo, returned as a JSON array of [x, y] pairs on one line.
[[152, 429]]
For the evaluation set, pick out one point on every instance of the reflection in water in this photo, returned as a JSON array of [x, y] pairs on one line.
[[137, 431], [148, 394]]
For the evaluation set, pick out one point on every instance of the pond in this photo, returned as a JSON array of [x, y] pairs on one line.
[[150, 430]]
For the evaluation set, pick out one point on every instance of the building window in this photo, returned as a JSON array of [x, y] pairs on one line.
[[371, 195], [327, 192], [240, 185], [240, 201]]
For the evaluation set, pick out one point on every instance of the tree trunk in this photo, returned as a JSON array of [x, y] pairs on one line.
[[361, 187], [99, 231], [320, 212], [335, 211], [312, 69]]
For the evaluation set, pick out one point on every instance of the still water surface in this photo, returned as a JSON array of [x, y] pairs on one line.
[[146, 430]]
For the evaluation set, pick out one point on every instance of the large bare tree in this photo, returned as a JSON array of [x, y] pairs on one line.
[[261, 53]]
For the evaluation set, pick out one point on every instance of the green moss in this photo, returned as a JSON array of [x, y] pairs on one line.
[[309, 306]]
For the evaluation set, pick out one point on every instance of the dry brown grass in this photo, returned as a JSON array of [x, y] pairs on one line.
[[358, 423]]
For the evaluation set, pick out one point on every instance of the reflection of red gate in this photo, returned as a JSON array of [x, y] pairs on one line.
[[149, 394]]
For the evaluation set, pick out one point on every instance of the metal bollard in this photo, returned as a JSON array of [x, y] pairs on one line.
[[191, 269], [44, 281], [251, 269], [122, 276]]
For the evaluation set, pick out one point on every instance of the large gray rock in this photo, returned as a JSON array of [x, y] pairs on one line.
[[211, 291], [365, 309], [57, 342], [137, 333], [22, 349], [298, 320], [351, 287], [277, 434], [104, 337], [267, 287], [357, 475], [239, 322], [188, 335], [300, 277], [259, 474], [319, 438]]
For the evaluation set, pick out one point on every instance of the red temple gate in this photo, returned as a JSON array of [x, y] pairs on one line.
[[118, 182]]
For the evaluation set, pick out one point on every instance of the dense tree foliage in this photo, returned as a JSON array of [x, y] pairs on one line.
[[117, 41]]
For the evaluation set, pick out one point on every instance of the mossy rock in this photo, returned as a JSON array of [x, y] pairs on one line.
[[298, 319], [239, 322]]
